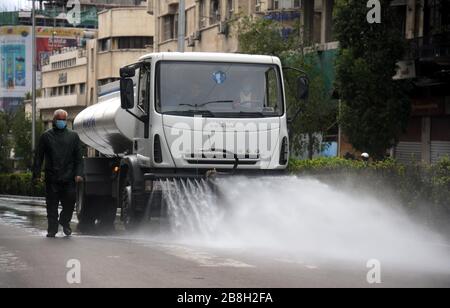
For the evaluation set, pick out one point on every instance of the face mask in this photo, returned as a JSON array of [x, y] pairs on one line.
[[61, 124]]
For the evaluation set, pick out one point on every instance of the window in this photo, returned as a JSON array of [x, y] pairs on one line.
[[82, 88], [92, 59], [144, 87], [138, 42], [285, 4], [218, 89], [229, 9], [273, 94], [105, 45], [72, 89], [202, 17], [399, 12], [170, 23], [215, 11]]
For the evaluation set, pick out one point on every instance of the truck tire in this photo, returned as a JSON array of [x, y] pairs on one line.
[[84, 209], [130, 217]]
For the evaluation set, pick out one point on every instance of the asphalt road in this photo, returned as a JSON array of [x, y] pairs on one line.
[[29, 259]]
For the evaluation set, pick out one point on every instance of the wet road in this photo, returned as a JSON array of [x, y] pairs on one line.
[[28, 259]]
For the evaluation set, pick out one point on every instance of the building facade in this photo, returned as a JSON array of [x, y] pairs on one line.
[[426, 25], [72, 78], [124, 35], [211, 24], [64, 85]]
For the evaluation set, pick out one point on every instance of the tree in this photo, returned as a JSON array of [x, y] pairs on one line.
[[318, 114], [21, 137], [375, 108], [5, 144]]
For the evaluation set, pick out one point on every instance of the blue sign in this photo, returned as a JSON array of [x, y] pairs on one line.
[[219, 77]]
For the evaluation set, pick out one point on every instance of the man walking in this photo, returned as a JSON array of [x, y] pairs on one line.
[[60, 147]]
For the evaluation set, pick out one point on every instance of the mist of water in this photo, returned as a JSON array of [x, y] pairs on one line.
[[299, 217]]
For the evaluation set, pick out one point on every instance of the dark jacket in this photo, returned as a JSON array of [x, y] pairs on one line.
[[62, 152]]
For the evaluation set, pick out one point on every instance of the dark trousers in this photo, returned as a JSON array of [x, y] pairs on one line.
[[56, 193]]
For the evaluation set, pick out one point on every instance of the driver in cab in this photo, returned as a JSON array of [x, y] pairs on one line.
[[247, 97]]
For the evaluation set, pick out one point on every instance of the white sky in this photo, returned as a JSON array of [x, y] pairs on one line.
[[11, 5]]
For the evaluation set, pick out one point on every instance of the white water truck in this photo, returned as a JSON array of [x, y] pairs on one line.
[[180, 116]]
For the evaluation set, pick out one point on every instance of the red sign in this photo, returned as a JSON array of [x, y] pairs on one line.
[[46, 45]]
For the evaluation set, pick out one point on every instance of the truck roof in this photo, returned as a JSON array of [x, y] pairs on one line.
[[212, 56]]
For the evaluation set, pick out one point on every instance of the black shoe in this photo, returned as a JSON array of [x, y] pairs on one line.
[[67, 230], [51, 235]]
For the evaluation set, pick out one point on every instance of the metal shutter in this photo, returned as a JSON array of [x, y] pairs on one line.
[[439, 149], [407, 152]]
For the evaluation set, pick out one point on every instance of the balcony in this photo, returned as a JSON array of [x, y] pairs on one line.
[[63, 101], [432, 59], [431, 47]]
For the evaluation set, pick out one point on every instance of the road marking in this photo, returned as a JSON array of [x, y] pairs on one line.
[[202, 258], [311, 267], [298, 262]]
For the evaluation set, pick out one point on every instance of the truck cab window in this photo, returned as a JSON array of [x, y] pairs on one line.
[[144, 88], [273, 95]]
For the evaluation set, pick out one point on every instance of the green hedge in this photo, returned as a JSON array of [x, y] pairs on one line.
[[418, 186], [20, 184], [414, 184]]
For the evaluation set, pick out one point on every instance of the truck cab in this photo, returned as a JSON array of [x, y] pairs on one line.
[[208, 111]]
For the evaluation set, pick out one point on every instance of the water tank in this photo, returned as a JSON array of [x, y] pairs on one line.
[[106, 126]]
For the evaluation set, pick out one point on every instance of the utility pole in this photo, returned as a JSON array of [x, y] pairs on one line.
[[33, 82], [181, 25]]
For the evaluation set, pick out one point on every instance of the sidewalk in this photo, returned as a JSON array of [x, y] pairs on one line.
[[24, 199]]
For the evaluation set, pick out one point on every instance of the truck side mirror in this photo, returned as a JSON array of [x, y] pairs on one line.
[[302, 88], [127, 72], [126, 93]]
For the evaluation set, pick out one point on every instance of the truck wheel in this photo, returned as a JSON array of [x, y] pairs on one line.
[[130, 217], [85, 212]]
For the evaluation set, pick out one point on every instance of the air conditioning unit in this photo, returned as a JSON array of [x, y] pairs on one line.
[[197, 35], [203, 22], [223, 28], [191, 41]]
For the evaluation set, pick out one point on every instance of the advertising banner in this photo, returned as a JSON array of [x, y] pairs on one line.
[[15, 65], [15, 56]]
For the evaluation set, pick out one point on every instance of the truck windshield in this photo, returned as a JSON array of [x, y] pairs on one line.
[[218, 89]]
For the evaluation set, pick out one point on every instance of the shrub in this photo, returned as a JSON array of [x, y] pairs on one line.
[[416, 185], [20, 184]]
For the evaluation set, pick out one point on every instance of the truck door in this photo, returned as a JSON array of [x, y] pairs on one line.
[[144, 93], [143, 146]]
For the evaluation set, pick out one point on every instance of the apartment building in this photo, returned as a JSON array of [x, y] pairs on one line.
[[64, 82], [71, 79], [210, 24]]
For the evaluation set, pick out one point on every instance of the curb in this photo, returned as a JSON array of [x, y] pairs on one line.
[[35, 200]]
